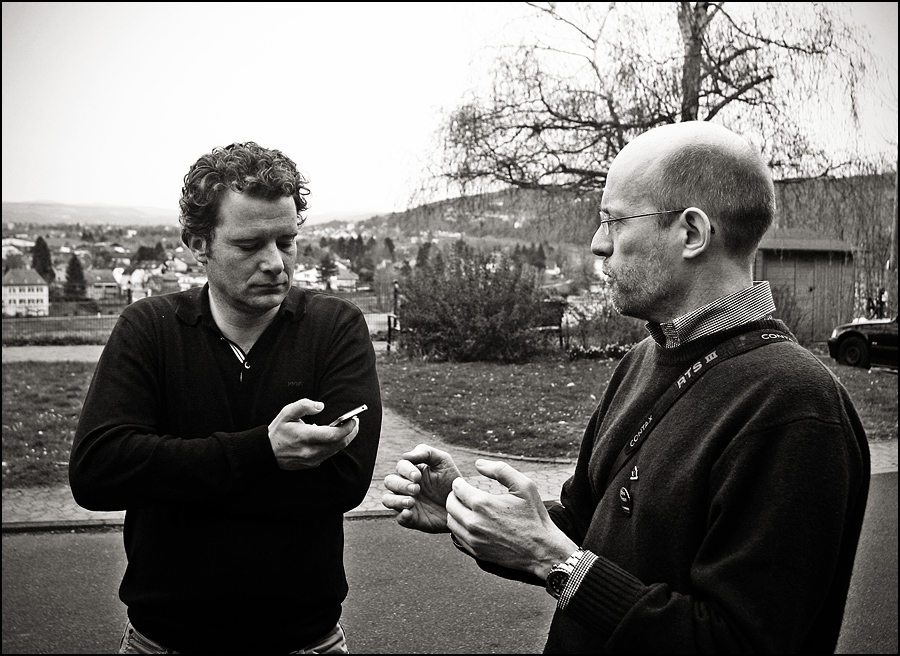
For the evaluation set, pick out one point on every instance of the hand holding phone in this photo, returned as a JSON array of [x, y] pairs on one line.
[[347, 416]]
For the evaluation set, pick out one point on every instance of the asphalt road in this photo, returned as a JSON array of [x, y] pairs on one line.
[[409, 592]]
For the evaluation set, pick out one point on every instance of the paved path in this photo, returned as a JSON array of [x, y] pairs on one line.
[[49, 505], [55, 506]]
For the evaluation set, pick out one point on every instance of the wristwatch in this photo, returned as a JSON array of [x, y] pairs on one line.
[[560, 573]]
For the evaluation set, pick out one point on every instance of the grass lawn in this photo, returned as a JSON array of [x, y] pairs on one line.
[[41, 405], [537, 409], [541, 409]]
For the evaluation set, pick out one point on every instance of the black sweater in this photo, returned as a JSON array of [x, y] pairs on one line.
[[746, 511], [226, 551], [745, 508]]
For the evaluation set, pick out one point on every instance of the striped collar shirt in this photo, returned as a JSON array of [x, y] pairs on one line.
[[750, 304]]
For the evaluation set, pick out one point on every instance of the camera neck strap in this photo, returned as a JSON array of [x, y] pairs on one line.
[[734, 346]]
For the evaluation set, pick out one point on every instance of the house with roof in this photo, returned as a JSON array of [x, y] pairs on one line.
[[163, 283], [190, 279], [9, 250], [17, 245], [133, 283], [306, 277], [101, 285], [345, 279], [25, 294], [812, 279], [859, 210]]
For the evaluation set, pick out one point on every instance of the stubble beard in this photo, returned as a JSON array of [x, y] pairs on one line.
[[638, 290]]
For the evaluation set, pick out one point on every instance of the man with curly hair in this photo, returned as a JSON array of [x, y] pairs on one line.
[[207, 421]]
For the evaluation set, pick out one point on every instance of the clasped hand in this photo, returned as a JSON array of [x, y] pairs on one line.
[[298, 445], [420, 487], [513, 529]]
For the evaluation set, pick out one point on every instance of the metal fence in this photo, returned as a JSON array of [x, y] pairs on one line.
[[58, 330], [80, 328]]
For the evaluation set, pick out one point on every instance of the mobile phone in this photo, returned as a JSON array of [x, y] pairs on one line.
[[347, 416]]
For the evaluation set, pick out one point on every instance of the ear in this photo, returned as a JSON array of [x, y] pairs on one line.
[[697, 231], [199, 249]]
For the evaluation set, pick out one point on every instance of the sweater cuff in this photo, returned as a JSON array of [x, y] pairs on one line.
[[251, 451], [584, 564], [603, 596]]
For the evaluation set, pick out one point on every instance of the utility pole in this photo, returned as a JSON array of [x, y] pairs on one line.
[[892, 261]]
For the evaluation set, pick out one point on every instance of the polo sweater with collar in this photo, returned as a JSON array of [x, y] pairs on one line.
[[225, 550]]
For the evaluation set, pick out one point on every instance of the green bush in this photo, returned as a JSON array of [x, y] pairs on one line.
[[606, 352], [470, 306], [595, 329]]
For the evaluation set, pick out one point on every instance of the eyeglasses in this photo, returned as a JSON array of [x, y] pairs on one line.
[[604, 223]]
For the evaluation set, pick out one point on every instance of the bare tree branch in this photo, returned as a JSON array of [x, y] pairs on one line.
[[562, 105], [779, 43], [750, 84]]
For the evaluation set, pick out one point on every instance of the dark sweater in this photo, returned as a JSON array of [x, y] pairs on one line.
[[745, 513], [227, 552]]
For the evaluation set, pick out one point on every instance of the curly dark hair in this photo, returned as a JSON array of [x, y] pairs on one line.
[[246, 168]]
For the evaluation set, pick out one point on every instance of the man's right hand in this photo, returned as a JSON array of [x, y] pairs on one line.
[[298, 445], [420, 487]]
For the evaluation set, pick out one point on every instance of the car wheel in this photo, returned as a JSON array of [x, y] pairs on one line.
[[854, 352]]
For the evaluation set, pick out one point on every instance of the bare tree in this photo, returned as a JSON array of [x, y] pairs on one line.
[[561, 106]]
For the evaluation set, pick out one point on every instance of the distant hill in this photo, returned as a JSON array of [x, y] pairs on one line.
[[515, 215], [48, 213], [318, 218]]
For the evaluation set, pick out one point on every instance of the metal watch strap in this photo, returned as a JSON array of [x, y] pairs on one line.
[[585, 562], [566, 567]]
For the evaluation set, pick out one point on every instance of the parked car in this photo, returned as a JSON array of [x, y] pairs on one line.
[[865, 343]]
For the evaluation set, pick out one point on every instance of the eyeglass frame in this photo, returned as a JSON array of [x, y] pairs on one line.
[[604, 224]]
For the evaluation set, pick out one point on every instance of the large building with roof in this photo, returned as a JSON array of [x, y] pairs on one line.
[[25, 294]]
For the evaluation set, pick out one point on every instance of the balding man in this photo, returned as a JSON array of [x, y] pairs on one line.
[[717, 501]]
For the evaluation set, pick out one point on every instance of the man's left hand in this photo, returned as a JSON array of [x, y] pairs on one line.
[[511, 529]]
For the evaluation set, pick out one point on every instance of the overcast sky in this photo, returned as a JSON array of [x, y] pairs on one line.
[[110, 103]]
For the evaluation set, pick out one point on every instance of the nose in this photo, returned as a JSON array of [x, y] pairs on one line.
[[601, 244], [271, 260]]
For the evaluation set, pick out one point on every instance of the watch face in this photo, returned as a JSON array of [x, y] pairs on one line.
[[556, 581]]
